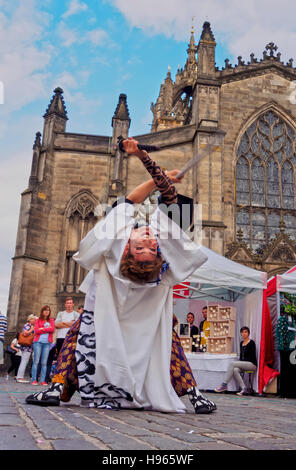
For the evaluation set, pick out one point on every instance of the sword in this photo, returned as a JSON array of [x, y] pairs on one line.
[[193, 162]]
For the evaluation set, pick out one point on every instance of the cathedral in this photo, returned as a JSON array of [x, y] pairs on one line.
[[243, 117]]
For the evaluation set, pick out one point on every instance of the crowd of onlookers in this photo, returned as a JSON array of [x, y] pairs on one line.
[[43, 337]]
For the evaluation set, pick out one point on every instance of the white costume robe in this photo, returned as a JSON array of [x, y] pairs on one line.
[[133, 322]]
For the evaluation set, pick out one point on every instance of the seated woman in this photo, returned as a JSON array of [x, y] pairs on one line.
[[124, 339], [247, 361]]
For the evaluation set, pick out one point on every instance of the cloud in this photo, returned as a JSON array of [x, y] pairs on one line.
[[23, 55], [242, 27], [70, 36], [75, 7], [97, 36]]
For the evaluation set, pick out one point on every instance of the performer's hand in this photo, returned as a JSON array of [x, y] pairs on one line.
[[131, 147], [172, 175]]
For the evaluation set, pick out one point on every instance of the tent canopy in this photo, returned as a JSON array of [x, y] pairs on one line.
[[287, 282], [220, 278]]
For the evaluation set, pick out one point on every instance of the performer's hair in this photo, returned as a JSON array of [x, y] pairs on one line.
[[45, 307], [140, 271]]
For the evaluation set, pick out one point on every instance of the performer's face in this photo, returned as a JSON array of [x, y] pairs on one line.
[[142, 244]]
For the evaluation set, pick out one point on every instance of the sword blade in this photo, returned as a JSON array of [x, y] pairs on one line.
[[193, 162]]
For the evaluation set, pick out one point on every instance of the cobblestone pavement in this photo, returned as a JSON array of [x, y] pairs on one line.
[[240, 423]]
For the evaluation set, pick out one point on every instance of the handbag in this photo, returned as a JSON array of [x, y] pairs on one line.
[[25, 340], [9, 350]]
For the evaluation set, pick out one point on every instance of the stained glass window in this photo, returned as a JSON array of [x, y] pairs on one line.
[[265, 180]]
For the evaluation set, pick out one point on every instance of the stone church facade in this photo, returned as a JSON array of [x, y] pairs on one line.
[[243, 117]]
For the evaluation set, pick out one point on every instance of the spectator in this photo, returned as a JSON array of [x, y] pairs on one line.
[[193, 330], [247, 361], [204, 328], [3, 328], [52, 356], [15, 357], [80, 309], [64, 321], [44, 328], [26, 351]]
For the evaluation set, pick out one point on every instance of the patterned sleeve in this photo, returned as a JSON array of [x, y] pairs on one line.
[[161, 180]]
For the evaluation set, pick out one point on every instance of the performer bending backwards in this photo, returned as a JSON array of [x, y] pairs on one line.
[[123, 340]]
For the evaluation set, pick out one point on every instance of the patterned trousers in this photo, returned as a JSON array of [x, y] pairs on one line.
[[76, 362]]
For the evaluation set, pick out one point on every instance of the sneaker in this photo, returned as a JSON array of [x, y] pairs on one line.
[[242, 393], [35, 382], [23, 381], [43, 383], [222, 388]]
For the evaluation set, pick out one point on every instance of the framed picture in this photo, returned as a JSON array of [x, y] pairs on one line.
[[184, 329]]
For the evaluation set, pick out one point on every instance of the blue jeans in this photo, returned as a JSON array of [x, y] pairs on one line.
[[41, 350]]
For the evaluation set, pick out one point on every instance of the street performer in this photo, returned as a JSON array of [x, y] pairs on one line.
[[123, 340]]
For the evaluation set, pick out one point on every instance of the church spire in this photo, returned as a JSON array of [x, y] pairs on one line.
[[207, 34], [121, 119], [121, 111], [191, 63], [206, 51], [55, 117], [57, 105]]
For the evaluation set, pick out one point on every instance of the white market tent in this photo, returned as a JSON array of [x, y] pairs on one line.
[[287, 282], [220, 278], [225, 282]]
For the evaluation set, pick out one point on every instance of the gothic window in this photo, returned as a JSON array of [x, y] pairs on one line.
[[257, 182], [272, 184], [288, 186], [265, 180], [242, 182], [80, 219]]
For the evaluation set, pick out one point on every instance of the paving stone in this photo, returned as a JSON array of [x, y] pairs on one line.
[[165, 443], [11, 419], [256, 423], [16, 438], [219, 446], [256, 444], [54, 429], [71, 444]]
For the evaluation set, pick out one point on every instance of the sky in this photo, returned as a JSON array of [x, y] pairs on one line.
[[97, 49]]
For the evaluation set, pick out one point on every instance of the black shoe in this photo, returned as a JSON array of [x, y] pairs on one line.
[[42, 400], [202, 410], [209, 403]]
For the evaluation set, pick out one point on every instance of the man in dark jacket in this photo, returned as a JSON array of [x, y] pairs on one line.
[[193, 330]]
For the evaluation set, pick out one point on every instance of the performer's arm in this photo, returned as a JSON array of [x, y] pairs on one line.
[[163, 183], [141, 192]]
